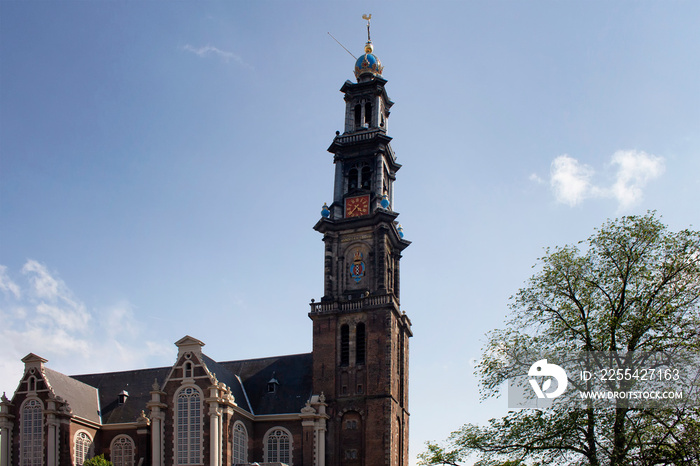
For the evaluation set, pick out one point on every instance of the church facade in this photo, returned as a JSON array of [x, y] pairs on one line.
[[345, 403]]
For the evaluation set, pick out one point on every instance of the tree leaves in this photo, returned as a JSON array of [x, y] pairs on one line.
[[632, 286]]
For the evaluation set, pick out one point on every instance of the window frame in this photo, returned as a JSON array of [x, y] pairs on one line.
[[87, 453], [278, 457], [239, 452], [30, 443], [360, 344], [344, 345], [193, 432], [117, 445]]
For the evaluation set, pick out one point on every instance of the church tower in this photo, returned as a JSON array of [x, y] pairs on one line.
[[360, 335]]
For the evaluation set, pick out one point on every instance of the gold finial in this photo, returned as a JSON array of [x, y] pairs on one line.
[[367, 17]]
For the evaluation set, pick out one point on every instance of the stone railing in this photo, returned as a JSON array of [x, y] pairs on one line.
[[357, 137], [353, 305]]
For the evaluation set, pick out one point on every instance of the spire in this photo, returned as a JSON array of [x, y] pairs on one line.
[[368, 17]]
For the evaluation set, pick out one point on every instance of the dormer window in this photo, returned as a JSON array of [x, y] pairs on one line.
[[123, 395], [272, 384]]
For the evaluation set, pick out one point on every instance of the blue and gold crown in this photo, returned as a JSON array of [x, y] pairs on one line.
[[368, 63]]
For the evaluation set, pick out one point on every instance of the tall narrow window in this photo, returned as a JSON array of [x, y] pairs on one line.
[[189, 426], [187, 370], [83, 447], [344, 345], [368, 114], [240, 443], [278, 446], [366, 177], [352, 179], [122, 451], [351, 438], [32, 434], [360, 343], [358, 116]]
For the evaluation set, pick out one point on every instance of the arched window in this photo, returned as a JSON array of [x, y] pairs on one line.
[[188, 424], [187, 370], [366, 177], [240, 443], [368, 114], [32, 434], [122, 451], [278, 446], [83, 447], [360, 343], [358, 116], [31, 384], [344, 345]]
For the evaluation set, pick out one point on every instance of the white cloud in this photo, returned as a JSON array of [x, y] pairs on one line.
[[52, 300], [7, 285], [635, 170], [536, 178], [210, 50], [572, 181], [40, 314], [43, 284]]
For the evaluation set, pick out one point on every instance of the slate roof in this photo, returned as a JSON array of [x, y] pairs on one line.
[[247, 379], [81, 397], [293, 372], [224, 375], [139, 385]]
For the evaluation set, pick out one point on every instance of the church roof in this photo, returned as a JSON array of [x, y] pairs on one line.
[[224, 375], [138, 383], [247, 380], [294, 377], [81, 397]]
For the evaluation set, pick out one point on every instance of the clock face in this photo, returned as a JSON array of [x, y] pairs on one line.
[[356, 206]]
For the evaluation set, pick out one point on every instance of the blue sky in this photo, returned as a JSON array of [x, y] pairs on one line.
[[162, 164]]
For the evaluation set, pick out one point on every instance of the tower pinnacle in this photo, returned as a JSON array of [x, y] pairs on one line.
[[368, 17], [368, 65]]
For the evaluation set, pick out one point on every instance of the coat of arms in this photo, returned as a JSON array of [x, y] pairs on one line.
[[357, 268]]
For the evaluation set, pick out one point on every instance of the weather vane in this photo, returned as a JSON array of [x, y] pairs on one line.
[[367, 17]]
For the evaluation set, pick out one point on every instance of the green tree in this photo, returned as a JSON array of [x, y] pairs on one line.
[[97, 461], [633, 286]]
